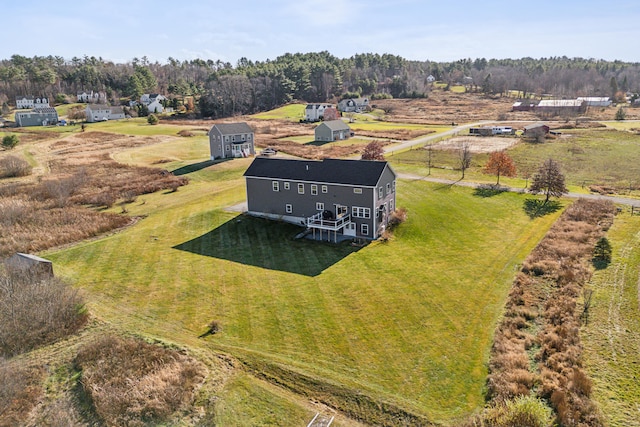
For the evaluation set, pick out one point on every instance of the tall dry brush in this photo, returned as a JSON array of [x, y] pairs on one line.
[[36, 310]]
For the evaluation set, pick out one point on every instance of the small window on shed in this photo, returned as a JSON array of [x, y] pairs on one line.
[[357, 190]]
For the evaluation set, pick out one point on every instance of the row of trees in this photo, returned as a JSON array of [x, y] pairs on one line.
[[224, 89]]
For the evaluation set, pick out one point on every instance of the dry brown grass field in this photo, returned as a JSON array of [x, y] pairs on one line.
[[49, 207]]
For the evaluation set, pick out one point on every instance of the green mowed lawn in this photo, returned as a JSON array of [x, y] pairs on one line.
[[410, 320], [292, 112], [612, 337], [137, 126]]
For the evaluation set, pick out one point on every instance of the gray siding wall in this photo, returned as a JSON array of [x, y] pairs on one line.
[[35, 119], [262, 199], [386, 187], [216, 147], [323, 133], [219, 147]]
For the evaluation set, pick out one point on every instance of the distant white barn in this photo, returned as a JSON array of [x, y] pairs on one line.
[[596, 101]]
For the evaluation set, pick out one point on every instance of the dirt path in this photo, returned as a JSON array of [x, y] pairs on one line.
[[432, 137]]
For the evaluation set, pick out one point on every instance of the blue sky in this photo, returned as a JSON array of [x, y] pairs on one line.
[[120, 30]]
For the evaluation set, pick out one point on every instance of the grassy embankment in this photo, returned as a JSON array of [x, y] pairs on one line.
[[408, 322], [612, 337]]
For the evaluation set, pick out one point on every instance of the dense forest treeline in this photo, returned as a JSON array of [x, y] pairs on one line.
[[223, 89]]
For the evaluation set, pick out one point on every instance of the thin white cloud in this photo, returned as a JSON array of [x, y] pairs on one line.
[[322, 13]]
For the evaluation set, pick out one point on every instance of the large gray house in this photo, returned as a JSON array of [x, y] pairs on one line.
[[333, 130], [231, 140], [342, 197], [37, 117]]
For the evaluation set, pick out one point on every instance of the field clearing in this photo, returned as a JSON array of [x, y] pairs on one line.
[[290, 112], [303, 304], [623, 124], [137, 126], [612, 337], [603, 158]]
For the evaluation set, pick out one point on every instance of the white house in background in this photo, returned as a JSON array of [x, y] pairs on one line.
[[596, 101], [31, 102], [93, 97], [101, 113], [153, 101], [315, 112], [353, 105]]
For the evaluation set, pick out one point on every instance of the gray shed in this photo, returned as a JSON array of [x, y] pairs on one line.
[[332, 130], [29, 264]]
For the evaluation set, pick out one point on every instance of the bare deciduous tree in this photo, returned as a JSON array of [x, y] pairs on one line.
[[464, 157]]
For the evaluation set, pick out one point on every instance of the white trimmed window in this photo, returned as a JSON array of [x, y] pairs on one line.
[[314, 189], [388, 187], [380, 193], [275, 185], [393, 186], [319, 206], [286, 185], [288, 208], [364, 229], [357, 190], [390, 205], [325, 189], [227, 147], [300, 188], [358, 212]]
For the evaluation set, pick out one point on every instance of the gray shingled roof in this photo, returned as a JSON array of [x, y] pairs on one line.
[[332, 171], [233, 128], [46, 110], [335, 125]]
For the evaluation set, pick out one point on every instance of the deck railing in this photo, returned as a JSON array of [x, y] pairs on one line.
[[317, 221]]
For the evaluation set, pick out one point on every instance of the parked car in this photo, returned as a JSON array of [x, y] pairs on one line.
[[269, 152]]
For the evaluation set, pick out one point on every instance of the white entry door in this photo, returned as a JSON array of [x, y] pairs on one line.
[[350, 229]]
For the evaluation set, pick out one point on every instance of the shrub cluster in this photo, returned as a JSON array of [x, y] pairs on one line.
[[12, 166], [537, 344], [35, 311], [20, 391], [133, 383]]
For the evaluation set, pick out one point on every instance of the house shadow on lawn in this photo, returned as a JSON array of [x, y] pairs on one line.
[[195, 167], [536, 208], [268, 244]]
